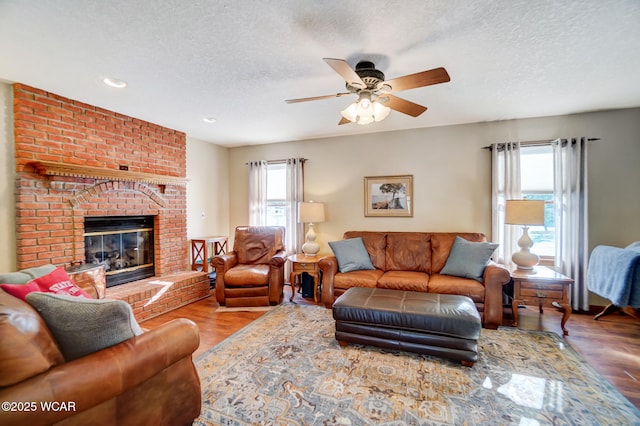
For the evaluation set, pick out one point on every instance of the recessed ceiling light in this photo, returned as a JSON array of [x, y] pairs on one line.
[[209, 120], [114, 82]]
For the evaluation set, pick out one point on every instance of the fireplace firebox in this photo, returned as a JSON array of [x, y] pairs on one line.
[[124, 244]]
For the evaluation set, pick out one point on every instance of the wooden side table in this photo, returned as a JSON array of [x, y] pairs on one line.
[[302, 263], [544, 287], [203, 248]]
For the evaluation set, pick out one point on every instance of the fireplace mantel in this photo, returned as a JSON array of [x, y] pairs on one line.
[[49, 168]]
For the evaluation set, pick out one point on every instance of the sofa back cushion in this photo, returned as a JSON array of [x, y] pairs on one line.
[[26, 275], [27, 346], [408, 251], [258, 244], [442, 242], [375, 243]]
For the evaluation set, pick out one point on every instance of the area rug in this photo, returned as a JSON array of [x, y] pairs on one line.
[[223, 309], [286, 368]]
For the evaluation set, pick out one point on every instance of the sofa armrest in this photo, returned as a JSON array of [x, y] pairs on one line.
[[276, 277], [495, 277], [225, 261], [222, 263], [329, 267], [278, 260], [103, 375]]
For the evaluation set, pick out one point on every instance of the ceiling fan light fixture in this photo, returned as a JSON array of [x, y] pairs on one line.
[[350, 112], [380, 112], [365, 114], [367, 119]]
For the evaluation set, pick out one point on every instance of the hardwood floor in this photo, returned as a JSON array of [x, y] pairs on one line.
[[610, 345]]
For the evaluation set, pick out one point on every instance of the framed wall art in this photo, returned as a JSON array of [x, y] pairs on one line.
[[388, 196]]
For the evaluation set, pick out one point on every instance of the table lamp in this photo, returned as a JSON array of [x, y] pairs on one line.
[[525, 213], [310, 212]]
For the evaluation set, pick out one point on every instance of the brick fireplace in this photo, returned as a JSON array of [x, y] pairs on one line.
[[74, 160]]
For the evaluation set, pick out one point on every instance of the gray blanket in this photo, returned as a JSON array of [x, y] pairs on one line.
[[614, 273]]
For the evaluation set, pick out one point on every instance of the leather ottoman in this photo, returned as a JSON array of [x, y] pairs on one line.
[[443, 325]]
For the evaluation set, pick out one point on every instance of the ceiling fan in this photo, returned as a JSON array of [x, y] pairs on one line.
[[375, 99]]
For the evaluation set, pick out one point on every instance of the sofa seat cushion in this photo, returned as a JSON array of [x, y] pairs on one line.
[[448, 284], [241, 275], [363, 278], [404, 280]]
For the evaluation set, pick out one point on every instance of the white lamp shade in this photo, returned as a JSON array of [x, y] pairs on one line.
[[310, 212], [350, 113], [524, 212], [380, 111]]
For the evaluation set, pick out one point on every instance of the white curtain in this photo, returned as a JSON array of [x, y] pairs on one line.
[[295, 194], [571, 220], [294, 233], [258, 193], [505, 185]]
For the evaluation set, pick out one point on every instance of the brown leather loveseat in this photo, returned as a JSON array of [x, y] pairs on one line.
[[147, 379], [413, 261]]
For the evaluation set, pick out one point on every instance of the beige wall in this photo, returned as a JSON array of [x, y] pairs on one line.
[[7, 181], [207, 189], [452, 174]]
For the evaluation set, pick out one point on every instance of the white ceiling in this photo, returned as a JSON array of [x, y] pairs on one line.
[[238, 60]]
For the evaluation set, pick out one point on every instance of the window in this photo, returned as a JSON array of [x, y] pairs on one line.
[[536, 178], [276, 194]]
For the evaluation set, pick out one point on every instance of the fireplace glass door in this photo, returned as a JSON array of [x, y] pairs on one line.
[[124, 244]]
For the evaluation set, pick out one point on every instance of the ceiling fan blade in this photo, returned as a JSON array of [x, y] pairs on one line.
[[344, 69], [343, 121], [316, 98], [402, 105], [420, 79]]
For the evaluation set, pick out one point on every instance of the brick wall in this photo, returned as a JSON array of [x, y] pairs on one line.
[[51, 209]]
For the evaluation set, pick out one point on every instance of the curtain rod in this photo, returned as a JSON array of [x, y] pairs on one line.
[[281, 161], [540, 142]]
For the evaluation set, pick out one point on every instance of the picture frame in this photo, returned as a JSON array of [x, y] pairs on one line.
[[388, 196]]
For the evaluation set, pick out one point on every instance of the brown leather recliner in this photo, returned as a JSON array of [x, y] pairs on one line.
[[253, 273]]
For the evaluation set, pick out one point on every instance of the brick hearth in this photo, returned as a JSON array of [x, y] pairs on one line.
[[154, 296], [86, 147]]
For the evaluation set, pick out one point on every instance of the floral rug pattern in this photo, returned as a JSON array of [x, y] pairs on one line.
[[286, 368]]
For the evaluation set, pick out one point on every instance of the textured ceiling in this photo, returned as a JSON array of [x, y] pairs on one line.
[[238, 60]]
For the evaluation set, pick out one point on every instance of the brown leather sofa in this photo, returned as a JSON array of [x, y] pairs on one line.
[[148, 379], [412, 261], [253, 273]]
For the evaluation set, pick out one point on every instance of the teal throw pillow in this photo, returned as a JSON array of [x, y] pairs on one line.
[[351, 255], [468, 259], [82, 326]]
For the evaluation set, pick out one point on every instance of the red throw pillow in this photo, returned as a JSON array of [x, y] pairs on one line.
[[57, 282], [20, 290]]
